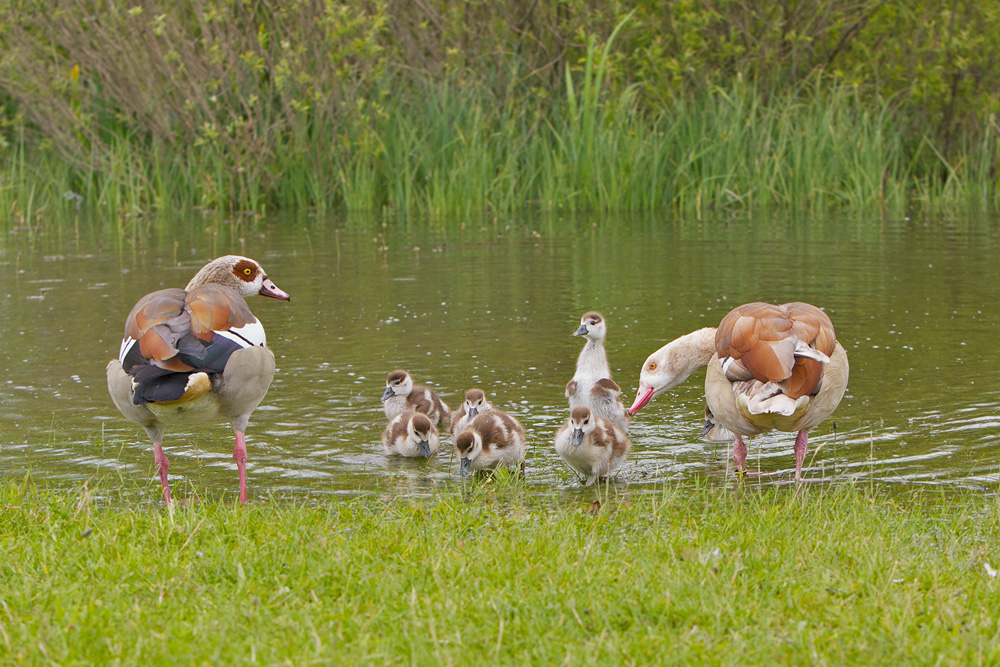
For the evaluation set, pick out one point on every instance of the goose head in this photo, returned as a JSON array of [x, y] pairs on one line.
[[242, 274], [592, 327], [398, 383], [672, 364], [419, 431], [582, 423], [475, 402], [469, 445]]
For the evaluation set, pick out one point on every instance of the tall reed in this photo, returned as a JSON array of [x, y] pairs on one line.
[[458, 149]]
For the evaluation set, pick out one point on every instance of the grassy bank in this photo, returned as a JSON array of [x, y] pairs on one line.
[[825, 576]]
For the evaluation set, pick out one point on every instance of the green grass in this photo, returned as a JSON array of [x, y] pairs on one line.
[[830, 575]]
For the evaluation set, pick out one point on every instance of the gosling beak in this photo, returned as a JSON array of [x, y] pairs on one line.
[[272, 290], [577, 437], [388, 393], [641, 398], [466, 465], [425, 449], [709, 425], [473, 412], [582, 331]]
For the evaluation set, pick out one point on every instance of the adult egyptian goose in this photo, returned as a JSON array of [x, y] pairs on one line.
[[591, 446], [410, 434], [491, 439], [769, 367], [196, 354], [592, 386], [713, 431], [475, 402], [401, 395]]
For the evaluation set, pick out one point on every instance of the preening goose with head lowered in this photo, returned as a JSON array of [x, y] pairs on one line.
[[196, 354], [769, 367]]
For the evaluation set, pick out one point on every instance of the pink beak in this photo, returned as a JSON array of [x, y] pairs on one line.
[[641, 398], [272, 290]]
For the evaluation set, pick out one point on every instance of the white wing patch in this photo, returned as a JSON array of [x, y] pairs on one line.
[[250, 335]]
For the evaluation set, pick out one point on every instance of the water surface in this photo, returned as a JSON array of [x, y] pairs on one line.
[[494, 305]]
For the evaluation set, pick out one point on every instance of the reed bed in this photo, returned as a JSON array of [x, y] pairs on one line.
[[461, 152]]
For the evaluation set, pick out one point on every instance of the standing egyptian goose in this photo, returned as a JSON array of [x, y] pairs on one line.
[[591, 446], [491, 439], [475, 403], [401, 395], [592, 386], [713, 431], [769, 367], [196, 354], [410, 434]]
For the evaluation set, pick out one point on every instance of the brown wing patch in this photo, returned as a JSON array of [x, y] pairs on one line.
[[217, 308], [152, 309], [153, 346], [770, 360], [763, 337], [606, 384]]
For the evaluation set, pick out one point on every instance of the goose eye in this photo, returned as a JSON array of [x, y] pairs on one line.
[[652, 365], [248, 271]]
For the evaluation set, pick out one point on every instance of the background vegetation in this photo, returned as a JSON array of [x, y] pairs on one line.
[[474, 106]]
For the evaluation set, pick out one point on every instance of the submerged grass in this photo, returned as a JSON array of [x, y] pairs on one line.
[[829, 575]]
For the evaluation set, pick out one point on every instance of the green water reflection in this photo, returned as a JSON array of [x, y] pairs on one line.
[[494, 305]]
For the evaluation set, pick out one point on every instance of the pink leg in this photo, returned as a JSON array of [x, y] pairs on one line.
[[240, 456], [740, 454], [801, 441], [162, 464]]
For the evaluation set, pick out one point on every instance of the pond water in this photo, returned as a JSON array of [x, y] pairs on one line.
[[494, 305]]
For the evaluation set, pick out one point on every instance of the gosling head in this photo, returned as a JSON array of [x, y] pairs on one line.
[[419, 430], [398, 383], [592, 326], [475, 402], [582, 423], [469, 445]]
